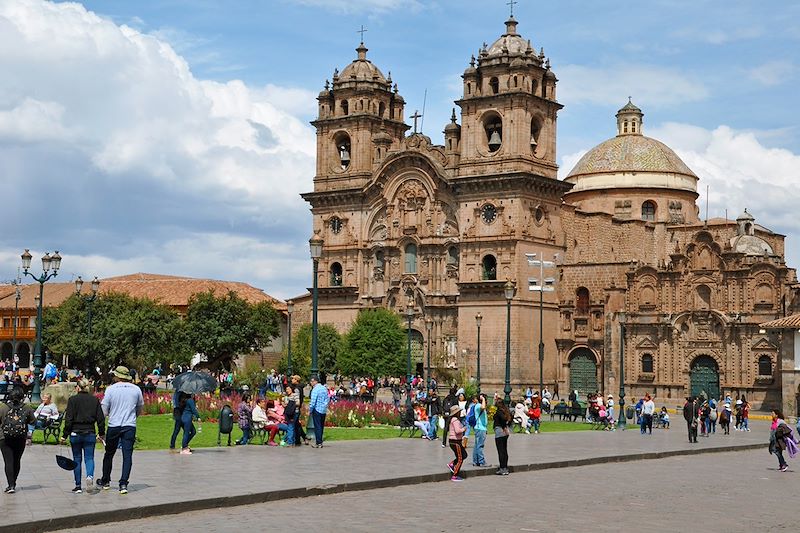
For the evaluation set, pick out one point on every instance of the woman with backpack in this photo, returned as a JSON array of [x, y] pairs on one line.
[[82, 415], [14, 419], [184, 413], [502, 421]]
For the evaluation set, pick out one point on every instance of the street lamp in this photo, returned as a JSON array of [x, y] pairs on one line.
[[621, 417], [17, 297], [429, 326], [478, 320], [542, 285], [48, 263], [410, 317], [289, 310], [315, 245], [89, 300], [508, 290]]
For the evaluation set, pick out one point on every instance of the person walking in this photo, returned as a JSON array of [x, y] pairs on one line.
[[690, 415], [648, 410], [318, 408], [15, 417], [122, 404], [780, 439], [502, 421], [83, 414], [455, 435], [245, 416], [185, 413], [434, 405], [481, 422], [725, 419]]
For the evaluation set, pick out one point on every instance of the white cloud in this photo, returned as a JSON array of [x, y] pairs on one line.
[[773, 72], [612, 84], [135, 158], [568, 162], [359, 6]]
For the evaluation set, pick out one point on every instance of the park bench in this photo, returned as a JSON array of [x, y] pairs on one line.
[[577, 411], [52, 428], [560, 410], [407, 423]]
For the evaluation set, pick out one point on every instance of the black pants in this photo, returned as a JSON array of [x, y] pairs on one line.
[[446, 429], [502, 450], [692, 431], [460, 454], [12, 449]]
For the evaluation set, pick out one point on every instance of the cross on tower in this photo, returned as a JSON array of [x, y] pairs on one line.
[[362, 31], [511, 3], [416, 116]]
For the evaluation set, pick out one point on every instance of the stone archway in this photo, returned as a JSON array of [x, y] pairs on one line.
[[24, 353], [417, 352], [7, 351], [704, 377], [583, 371]]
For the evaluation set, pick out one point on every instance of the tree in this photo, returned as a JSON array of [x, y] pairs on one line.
[[223, 327], [136, 332], [374, 346], [329, 345]]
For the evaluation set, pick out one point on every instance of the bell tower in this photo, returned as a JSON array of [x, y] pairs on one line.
[[508, 109], [360, 119]]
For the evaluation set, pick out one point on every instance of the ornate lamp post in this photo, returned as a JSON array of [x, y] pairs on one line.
[[315, 245], [429, 326], [48, 263], [542, 285], [508, 290], [410, 317], [478, 320], [289, 310], [17, 297], [621, 417], [89, 300]]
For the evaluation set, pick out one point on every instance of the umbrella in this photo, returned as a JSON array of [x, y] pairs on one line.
[[195, 382], [65, 462]]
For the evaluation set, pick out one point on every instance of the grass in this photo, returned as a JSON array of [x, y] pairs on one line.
[[154, 431]]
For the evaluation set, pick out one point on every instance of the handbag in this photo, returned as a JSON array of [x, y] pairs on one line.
[[65, 462]]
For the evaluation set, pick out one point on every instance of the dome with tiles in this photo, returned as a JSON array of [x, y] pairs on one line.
[[510, 42], [362, 69]]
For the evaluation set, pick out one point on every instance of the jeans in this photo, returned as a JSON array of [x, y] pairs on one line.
[[647, 423], [502, 450], [290, 433], [175, 430], [746, 423], [188, 430], [319, 425], [245, 436], [535, 423], [424, 426], [434, 426], [126, 436], [477, 453], [83, 449], [12, 450], [781, 460], [692, 431], [39, 424]]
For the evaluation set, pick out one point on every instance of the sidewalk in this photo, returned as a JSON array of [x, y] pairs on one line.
[[164, 483]]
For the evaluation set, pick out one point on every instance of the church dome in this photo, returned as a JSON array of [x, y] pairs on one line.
[[510, 42], [631, 160], [751, 245], [362, 69]]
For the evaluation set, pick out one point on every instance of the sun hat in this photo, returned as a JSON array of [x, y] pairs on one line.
[[83, 384], [454, 410], [123, 373]]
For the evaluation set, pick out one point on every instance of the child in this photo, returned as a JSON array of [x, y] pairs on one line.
[[725, 419], [534, 415], [664, 417]]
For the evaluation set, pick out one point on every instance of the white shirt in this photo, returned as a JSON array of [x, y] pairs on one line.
[[649, 407], [122, 403]]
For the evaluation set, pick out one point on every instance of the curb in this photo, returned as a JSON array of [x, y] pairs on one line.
[[104, 517]]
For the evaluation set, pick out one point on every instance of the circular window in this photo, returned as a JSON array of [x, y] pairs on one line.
[[488, 213], [538, 215], [336, 224]]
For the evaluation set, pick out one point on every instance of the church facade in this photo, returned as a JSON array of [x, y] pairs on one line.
[[435, 232]]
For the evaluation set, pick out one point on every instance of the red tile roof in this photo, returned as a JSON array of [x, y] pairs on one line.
[[788, 322]]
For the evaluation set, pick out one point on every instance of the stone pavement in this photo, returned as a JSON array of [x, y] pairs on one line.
[[727, 492], [164, 483]]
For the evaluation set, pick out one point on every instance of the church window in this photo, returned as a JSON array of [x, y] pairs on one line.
[[633, 126], [381, 109], [538, 215], [452, 256], [764, 366], [516, 82], [536, 130], [380, 260], [489, 268], [649, 211], [343, 149], [410, 259], [336, 225], [469, 88], [703, 297], [582, 301], [336, 275], [625, 127], [647, 364], [494, 85], [493, 128], [533, 86], [345, 107]]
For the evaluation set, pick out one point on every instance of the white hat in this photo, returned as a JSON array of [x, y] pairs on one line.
[[738, 402], [610, 395], [728, 405]]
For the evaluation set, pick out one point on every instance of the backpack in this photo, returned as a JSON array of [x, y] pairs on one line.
[[471, 420], [713, 415], [14, 423]]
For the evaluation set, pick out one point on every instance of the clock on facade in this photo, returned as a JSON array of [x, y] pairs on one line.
[[488, 213], [336, 225]]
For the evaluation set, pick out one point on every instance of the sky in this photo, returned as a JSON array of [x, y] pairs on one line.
[[173, 136]]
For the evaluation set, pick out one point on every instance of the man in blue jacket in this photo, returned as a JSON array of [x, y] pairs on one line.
[[318, 408]]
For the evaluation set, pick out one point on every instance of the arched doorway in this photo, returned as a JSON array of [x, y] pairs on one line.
[[24, 353], [7, 351], [417, 352], [704, 377], [583, 371]]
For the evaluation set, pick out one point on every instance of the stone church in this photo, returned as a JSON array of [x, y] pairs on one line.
[[641, 284]]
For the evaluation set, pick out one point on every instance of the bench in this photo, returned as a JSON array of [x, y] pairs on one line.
[[577, 411], [407, 423], [51, 428], [560, 410]]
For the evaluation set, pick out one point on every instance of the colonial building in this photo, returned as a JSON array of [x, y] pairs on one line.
[[439, 230]]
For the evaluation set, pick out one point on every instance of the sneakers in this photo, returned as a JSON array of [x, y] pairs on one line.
[[450, 466], [272, 443], [77, 490], [527, 431], [105, 485], [784, 468], [89, 483], [502, 472], [10, 490], [283, 443], [123, 489], [186, 451], [456, 478]]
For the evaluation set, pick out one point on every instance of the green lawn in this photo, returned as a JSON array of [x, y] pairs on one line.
[[154, 431]]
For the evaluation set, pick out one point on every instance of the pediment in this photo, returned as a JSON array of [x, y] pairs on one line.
[[764, 344], [646, 343]]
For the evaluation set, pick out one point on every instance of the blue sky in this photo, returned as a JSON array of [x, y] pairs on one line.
[[172, 136]]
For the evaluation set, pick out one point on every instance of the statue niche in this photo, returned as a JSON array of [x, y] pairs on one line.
[[410, 203]]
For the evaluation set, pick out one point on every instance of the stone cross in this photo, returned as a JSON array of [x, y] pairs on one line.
[[511, 3], [362, 31], [416, 116]]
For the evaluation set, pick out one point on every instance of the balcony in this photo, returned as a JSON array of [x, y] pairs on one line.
[[22, 333]]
